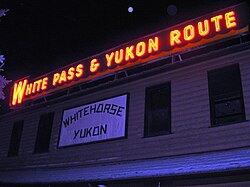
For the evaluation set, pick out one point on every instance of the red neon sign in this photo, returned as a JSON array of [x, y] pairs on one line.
[[68, 75], [202, 30]]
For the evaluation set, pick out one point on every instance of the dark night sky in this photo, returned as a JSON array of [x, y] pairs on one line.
[[39, 36]]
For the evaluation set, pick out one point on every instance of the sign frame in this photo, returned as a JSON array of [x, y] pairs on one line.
[[125, 136]]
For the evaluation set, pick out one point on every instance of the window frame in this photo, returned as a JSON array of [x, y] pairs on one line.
[[226, 97], [37, 147], [148, 91], [15, 143]]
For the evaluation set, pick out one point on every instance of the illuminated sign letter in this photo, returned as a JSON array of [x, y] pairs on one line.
[[39, 84], [94, 65], [153, 45], [216, 20], [230, 19], [109, 58], [140, 49], [129, 53], [203, 27], [18, 92], [174, 37], [188, 32], [56, 78], [45, 83], [71, 73], [63, 77], [119, 56], [79, 70]]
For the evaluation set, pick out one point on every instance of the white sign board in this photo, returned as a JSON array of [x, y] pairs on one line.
[[93, 122]]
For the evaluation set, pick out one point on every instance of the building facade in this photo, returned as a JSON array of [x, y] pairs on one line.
[[175, 116]]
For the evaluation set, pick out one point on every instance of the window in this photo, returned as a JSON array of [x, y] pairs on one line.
[[44, 132], [15, 138], [225, 94], [158, 110]]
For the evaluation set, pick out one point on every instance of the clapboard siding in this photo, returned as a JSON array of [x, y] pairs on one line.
[[5, 134], [190, 115]]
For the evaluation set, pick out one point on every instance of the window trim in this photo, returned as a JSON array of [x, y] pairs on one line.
[[15, 124], [36, 150], [146, 110], [231, 94]]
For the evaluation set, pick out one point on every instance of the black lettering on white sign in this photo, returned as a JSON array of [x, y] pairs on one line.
[[97, 121]]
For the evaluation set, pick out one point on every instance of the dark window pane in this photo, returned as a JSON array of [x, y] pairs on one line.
[[158, 118], [229, 107], [44, 132], [15, 138], [225, 92], [157, 112], [225, 80]]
